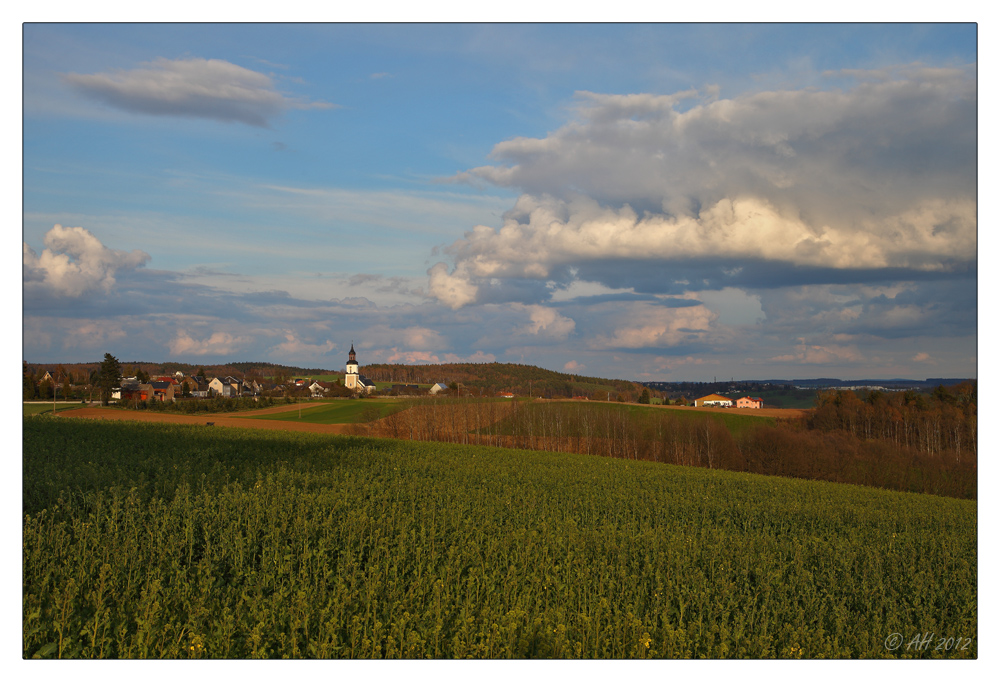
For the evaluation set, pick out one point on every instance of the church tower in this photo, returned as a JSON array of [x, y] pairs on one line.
[[351, 370]]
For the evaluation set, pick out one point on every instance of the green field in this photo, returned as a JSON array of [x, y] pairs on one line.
[[734, 421], [165, 541], [30, 409], [337, 412]]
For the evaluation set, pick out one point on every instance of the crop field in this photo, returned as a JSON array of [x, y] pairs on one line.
[[338, 412], [146, 540], [30, 409], [736, 422]]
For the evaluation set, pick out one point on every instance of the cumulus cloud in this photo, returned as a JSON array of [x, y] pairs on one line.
[[195, 87], [879, 176], [406, 357], [817, 354], [453, 289], [545, 322], [294, 347], [75, 262], [644, 325], [219, 343]]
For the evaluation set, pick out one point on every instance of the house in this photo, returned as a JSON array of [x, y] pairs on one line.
[[405, 389], [437, 388], [352, 379], [221, 387], [128, 389], [748, 402], [319, 388], [506, 395], [161, 390], [713, 400]]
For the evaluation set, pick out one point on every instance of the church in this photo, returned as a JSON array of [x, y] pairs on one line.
[[358, 383]]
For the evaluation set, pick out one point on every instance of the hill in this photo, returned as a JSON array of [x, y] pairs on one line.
[[497, 376]]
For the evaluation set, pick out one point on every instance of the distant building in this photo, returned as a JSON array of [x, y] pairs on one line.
[[751, 403], [437, 388], [352, 379], [713, 400]]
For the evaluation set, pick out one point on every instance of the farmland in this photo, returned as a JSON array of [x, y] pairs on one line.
[[166, 541], [338, 412], [30, 409]]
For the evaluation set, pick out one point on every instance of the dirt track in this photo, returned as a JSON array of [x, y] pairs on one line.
[[230, 419]]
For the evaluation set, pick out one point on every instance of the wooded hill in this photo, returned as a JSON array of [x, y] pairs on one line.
[[497, 377]]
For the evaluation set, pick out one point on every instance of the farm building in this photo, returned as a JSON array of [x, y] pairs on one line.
[[748, 402], [713, 400], [437, 388]]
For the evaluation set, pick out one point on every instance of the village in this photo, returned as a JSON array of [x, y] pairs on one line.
[[60, 384]]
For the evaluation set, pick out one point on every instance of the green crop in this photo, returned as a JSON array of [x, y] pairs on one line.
[[164, 541]]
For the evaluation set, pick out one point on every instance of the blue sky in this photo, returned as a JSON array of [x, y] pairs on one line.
[[651, 202]]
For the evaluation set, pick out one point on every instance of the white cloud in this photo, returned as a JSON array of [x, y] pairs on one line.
[[644, 325], [817, 354], [545, 322], [880, 175], [76, 262], [219, 343], [420, 357], [454, 290], [294, 347], [573, 366], [195, 87]]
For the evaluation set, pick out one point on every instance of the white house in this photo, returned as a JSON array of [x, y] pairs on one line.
[[437, 388]]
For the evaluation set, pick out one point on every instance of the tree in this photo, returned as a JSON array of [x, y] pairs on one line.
[[30, 387], [109, 376], [644, 398]]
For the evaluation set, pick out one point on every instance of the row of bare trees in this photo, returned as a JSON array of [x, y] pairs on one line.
[[693, 439], [942, 424]]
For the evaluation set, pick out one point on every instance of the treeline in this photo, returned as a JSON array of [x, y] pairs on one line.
[[943, 423], [791, 448], [493, 377]]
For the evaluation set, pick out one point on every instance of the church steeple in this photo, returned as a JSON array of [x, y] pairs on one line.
[[351, 357]]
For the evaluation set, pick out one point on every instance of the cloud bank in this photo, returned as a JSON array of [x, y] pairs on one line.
[[814, 185], [195, 87]]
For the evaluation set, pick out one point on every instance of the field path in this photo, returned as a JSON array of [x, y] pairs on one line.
[[228, 419]]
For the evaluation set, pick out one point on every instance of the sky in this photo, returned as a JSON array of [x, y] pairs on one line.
[[655, 202]]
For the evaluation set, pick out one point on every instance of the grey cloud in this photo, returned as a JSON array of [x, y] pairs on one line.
[[200, 88], [872, 182]]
